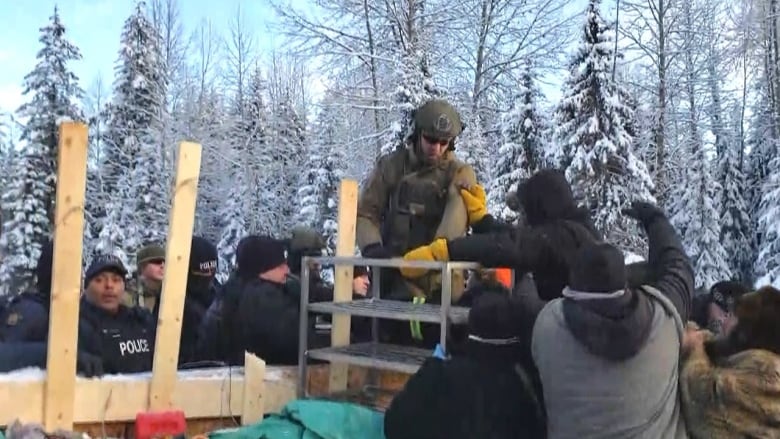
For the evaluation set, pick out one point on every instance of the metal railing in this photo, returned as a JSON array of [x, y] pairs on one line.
[[445, 267]]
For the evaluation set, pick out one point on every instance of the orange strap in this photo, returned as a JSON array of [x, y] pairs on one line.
[[504, 275]]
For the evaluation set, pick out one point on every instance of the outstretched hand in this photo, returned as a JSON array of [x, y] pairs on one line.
[[643, 211]]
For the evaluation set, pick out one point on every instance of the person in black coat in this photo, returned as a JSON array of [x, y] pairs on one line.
[[122, 336], [555, 228], [477, 394], [201, 292], [25, 317], [260, 314]]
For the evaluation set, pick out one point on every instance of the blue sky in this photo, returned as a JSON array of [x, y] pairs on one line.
[[95, 27]]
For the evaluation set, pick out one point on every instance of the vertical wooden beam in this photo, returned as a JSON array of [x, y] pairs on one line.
[[177, 258], [254, 390], [342, 283], [60, 391]]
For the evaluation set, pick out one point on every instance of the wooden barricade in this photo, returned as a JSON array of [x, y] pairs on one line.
[[58, 399]]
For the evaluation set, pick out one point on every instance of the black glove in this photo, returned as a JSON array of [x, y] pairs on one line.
[[644, 212], [376, 251], [89, 365]]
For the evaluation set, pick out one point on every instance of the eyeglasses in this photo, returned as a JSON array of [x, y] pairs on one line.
[[157, 261], [434, 141]]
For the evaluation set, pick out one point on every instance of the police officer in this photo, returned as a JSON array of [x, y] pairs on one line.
[[25, 317], [122, 336], [412, 196]]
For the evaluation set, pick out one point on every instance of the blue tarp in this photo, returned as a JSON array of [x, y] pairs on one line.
[[313, 419]]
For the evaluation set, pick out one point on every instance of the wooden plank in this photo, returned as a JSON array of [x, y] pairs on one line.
[[58, 396], [254, 389], [208, 393], [177, 256], [342, 285]]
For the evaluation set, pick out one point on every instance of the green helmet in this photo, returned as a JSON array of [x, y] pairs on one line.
[[438, 119]]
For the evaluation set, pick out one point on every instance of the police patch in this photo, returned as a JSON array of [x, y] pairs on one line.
[[443, 123], [13, 319]]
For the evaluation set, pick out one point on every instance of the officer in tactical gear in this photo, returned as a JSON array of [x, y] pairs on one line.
[[413, 196], [122, 336]]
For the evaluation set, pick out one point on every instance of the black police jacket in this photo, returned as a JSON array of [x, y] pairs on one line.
[[124, 340], [25, 318]]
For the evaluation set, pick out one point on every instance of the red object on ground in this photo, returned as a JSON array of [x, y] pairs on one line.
[[149, 425]]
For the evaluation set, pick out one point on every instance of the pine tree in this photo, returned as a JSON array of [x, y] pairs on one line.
[[53, 93], [135, 153], [231, 234], [28, 205], [473, 146], [415, 87], [522, 147], [594, 136], [134, 116], [27, 226], [319, 194], [289, 152], [734, 219]]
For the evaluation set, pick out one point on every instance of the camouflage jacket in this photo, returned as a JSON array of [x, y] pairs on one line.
[[136, 294]]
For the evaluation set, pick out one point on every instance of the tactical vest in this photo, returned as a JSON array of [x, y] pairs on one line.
[[416, 206], [414, 213]]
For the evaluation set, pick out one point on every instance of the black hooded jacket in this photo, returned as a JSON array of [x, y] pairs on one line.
[[25, 317], [555, 229]]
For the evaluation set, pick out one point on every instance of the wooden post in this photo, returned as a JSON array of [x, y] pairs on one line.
[[59, 393], [254, 390], [177, 257], [342, 283]]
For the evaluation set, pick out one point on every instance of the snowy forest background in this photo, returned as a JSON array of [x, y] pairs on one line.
[[681, 108]]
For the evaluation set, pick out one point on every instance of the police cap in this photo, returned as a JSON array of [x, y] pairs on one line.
[[438, 119]]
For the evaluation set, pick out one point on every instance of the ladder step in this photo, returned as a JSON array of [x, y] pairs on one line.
[[403, 359], [392, 309]]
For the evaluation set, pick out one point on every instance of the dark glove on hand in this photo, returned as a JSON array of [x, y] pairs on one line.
[[644, 212], [89, 365], [376, 251]]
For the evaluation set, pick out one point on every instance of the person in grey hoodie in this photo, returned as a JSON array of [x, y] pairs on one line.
[[608, 354]]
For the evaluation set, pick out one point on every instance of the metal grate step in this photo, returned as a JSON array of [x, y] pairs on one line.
[[392, 309], [403, 359]]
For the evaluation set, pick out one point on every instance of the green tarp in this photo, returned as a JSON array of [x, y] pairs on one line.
[[313, 419]]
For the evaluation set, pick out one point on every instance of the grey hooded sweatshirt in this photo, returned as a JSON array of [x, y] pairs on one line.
[[609, 368]]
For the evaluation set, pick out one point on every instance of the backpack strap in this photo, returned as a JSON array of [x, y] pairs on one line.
[[668, 307]]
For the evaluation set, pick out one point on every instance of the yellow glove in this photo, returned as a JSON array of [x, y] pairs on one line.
[[435, 251], [476, 202]]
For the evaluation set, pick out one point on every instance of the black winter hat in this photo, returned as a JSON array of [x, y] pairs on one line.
[[103, 263], [491, 316], [204, 260], [544, 196], [260, 254], [598, 268], [726, 293], [44, 268]]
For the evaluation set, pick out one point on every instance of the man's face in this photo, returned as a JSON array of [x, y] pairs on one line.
[[433, 149], [277, 275], [718, 320], [154, 270], [106, 290]]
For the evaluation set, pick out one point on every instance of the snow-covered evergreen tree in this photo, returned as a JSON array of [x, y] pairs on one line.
[[415, 87], [318, 195], [289, 153], [232, 233], [26, 226], [472, 147], [594, 136], [522, 147], [52, 93], [134, 152], [734, 219]]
